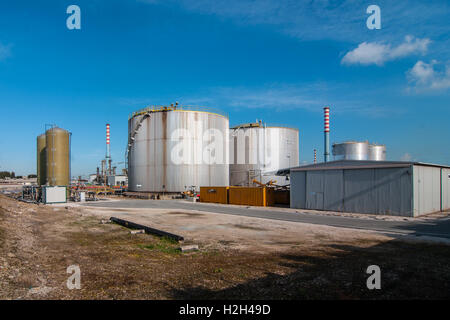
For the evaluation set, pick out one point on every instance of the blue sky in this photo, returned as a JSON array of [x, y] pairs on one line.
[[280, 61]]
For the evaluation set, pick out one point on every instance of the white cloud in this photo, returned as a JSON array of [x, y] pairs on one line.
[[5, 51], [379, 53], [429, 76], [367, 53], [422, 72]]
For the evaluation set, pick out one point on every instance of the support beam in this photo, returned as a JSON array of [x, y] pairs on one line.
[[149, 230]]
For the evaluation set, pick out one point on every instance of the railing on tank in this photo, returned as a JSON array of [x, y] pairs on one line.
[[159, 108]]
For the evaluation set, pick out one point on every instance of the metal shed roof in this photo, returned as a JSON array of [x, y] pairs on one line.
[[356, 164]]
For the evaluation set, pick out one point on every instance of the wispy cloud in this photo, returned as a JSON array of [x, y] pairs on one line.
[[429, 76], [343, 20], [5, 51], [379, 53], [281, 98], [275, 97]]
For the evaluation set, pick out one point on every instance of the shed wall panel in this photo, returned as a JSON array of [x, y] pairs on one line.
[[298, 189], [359, 191], [427, 190], [445, 189], [376, 191], [333, 190], [393, 189], [315, 190]]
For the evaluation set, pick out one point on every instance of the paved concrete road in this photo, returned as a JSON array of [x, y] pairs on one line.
[[434, 228]]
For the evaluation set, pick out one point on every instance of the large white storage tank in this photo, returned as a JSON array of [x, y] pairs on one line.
[[257, 151], [172, 149]]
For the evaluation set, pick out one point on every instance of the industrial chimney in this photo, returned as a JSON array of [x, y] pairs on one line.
[[108, 151], [327, 133]]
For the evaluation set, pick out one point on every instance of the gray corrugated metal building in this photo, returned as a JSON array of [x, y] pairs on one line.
[[377, 187]]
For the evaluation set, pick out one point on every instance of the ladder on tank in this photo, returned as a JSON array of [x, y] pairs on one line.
[[132, 137]]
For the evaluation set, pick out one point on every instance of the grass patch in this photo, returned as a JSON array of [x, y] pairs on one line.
[[164, 245]]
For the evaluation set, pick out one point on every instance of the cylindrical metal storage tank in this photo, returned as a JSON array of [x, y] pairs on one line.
[[377, 152], [41, 157], [58, 157], [174, 149], [351, 150], [257, 150]]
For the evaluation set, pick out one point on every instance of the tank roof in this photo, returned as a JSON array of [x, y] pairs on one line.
[[357, 164], [258, 125], [350, 142], [179, 108]]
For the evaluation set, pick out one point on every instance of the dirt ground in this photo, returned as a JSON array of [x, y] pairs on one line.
[[215, 231], [239, 258]]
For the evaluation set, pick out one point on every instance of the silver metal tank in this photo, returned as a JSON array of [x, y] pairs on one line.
[[351, 150], [256, 151], [377, 152], [171, 149]]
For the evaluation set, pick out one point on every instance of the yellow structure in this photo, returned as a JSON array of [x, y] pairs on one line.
[[41, 156], [58, 157], [247, 196], [251, 196], [214, 194]]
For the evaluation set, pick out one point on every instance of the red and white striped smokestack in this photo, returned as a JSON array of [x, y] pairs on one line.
[[327, 119], [108, 154], [327, 133]]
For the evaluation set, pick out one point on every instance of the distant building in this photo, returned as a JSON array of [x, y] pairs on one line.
[[117, 180], [92, 178]]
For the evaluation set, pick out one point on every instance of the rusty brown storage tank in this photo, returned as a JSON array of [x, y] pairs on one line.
[[41, 157], [58, 156], [173, 149]]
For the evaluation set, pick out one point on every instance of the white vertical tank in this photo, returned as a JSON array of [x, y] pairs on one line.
[[377, 152], [171, 149], [351, 150], [256, 151]]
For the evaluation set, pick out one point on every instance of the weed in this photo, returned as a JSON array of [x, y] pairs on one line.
[[164, 245]]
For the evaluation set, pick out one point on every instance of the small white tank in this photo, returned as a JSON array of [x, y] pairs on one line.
[[377, 152], [351, 150]]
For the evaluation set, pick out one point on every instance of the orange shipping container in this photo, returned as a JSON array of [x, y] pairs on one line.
[[251, 196], [214, 194]]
